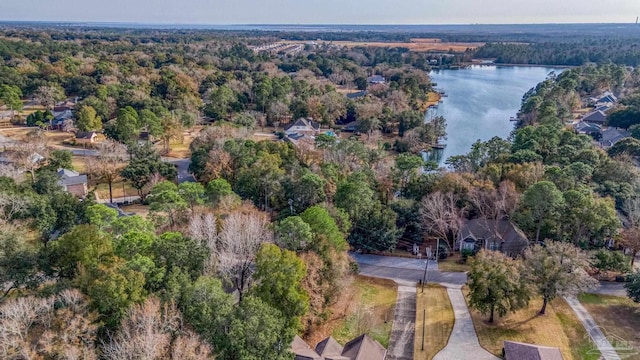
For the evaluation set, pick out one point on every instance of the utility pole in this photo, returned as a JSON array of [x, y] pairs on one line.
[[424, 320], [424, 277]]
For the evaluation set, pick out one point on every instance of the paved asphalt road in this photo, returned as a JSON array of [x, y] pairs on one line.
[[405, 269]]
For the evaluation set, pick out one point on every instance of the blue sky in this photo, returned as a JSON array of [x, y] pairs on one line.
[[322, 11]]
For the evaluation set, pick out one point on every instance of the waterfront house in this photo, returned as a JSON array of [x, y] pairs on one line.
[[72, 182], [361, 348], [499, 235]]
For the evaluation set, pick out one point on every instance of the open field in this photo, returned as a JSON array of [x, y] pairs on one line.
[[416, 45], [366, 306], [619, 319], [558, 328], [439, 322]]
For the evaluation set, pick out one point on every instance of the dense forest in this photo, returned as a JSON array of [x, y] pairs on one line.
[[254, 251]]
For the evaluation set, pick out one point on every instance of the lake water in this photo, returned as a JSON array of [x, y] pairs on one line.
[[480, 101]]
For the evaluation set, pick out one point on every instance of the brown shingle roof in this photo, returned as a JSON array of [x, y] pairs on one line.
[[364, 348], [521, 351], [329, 347]]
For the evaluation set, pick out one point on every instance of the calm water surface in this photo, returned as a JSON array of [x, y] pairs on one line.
[[480, 101]]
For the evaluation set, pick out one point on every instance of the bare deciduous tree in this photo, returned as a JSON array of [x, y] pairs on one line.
[[47, 96], [204, 228], [440, 215], [30, 153], [495, 203], [107, 164], [70, 329], [240, 239], [12, 205], [153, 331]]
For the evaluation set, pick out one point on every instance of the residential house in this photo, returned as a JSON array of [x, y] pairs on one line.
[[86, 137], [60, 117], [499, 235], [376, 79], [607, 98], [595, 117], [361, 348], [302, 126], [521, 351], [611, 136], [588, 129], [73, 182]]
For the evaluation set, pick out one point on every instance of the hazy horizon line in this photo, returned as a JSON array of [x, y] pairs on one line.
[[301, 24]]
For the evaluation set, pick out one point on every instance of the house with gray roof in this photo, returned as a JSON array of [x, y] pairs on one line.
[[595, 117], [587, 128], [72, 182], [498, 235], [361, 348], [611, 136], [521, 351], [302, 126]]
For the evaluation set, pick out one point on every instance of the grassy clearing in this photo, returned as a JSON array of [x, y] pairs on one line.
[[453, 264], [79, 164], [371, 311], [558, 328], [440, 319], [618, 317]]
